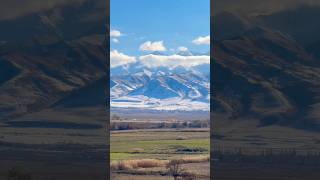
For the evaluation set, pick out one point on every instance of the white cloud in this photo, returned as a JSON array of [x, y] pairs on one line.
[[202, 40], [182, 48], [153, 46], [119, 59], [115, 40], [115, 33], [173, 60]]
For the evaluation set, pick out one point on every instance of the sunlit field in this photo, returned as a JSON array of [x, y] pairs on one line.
[[145, 153]]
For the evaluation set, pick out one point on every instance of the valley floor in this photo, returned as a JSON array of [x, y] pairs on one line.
[[55, 144], [156, 149]]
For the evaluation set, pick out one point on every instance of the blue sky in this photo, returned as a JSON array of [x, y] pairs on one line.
[[166, 24]]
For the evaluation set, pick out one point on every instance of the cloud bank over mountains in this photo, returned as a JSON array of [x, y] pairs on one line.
[[151, 60], [120, 59], [173, 61]]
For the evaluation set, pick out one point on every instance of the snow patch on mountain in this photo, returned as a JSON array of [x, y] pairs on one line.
[[180, 87]]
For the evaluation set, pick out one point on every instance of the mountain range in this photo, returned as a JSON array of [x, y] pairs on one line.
[[160, 88], [264, 67]]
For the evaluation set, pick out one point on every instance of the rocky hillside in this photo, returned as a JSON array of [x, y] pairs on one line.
[[263, 71], [45, 57]]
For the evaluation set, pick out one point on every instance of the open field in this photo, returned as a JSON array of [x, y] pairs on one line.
[[139, 154], [243, 150], [260, 171], [56, 144], [247, 134]]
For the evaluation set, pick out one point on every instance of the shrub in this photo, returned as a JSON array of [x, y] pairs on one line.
[[191, 150]]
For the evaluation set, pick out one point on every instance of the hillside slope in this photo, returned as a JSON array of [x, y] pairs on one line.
[[262, 73], [50, 55]]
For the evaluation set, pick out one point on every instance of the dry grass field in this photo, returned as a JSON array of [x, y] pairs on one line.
[[145, 154], [245, 151], [56, 144]]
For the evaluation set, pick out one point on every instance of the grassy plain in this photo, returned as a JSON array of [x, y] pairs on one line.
[[192, 146]]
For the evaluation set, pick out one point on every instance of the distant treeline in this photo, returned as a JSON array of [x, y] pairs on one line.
[[158, 125]]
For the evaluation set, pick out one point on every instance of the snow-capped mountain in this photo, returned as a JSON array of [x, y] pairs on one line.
[[160, 88]]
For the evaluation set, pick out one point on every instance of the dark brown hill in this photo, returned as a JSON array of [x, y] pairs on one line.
[[265, 74], [47, 56]]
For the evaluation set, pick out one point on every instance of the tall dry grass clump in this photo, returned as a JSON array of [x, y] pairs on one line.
[[138, 163], [151, 163], [195, 159]]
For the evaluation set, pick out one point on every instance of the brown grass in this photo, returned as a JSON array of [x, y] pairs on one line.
[[195, 159], [138, 163], [151, 163]]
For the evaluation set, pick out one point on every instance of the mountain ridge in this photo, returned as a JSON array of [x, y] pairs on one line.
[[48, 63], [154, 88], [264, 73]]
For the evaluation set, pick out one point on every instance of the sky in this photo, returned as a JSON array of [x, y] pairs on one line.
[[140, 27]]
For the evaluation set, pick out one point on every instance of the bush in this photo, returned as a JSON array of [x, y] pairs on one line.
[[191, 150]]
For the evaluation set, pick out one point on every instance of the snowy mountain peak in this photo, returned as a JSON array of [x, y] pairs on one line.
[[161, 87]]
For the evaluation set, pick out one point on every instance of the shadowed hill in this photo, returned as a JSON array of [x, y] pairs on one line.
[[265, 74], [49, 55]]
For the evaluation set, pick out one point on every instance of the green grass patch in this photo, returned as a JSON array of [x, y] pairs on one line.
[[121, 156], [158, 145]]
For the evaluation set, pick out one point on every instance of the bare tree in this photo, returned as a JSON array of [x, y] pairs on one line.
[[175, 169]]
